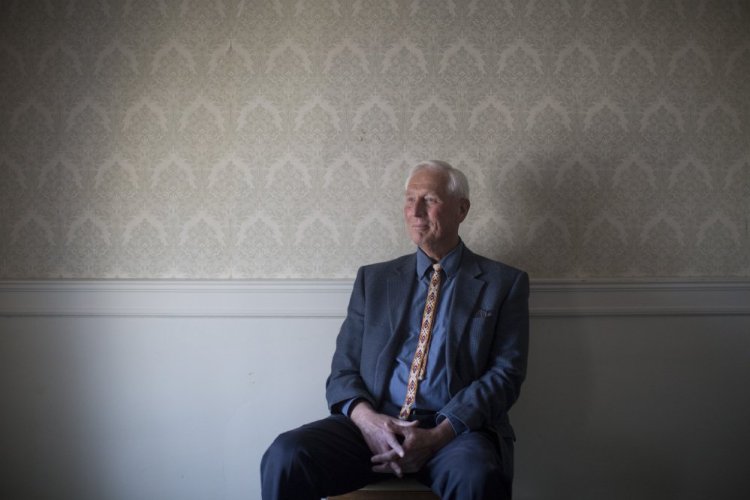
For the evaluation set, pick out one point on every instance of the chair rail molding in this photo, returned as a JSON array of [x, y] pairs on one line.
[[329, 298]]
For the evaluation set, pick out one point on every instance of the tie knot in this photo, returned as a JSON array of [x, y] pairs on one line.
[[436, 268]]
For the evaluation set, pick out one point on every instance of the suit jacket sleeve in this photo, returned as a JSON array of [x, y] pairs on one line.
[[486, 396], [345, 381]]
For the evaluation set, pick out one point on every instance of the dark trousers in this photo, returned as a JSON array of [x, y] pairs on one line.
[[330, 457]]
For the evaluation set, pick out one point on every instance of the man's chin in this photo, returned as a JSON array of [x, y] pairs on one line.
[[420, 240]]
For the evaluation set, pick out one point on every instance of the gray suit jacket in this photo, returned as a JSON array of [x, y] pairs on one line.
[[486, 348]]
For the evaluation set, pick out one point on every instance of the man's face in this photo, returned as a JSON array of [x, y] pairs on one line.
[[432, 215]]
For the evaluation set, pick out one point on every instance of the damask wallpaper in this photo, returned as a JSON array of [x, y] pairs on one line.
[[270, 138]]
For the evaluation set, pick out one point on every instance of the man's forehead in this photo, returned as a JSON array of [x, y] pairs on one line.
[[428, 180], [423, 189]]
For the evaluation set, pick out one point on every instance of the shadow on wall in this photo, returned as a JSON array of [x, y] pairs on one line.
[[634, 407], [551, 413], [548, 196]]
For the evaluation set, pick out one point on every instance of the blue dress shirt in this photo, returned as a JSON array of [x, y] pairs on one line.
[[433, 392]]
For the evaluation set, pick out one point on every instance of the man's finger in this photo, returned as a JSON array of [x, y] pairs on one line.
[[382, 469], [385, 457], [397, 469], [394, 444], [395, 425], [388, 468]]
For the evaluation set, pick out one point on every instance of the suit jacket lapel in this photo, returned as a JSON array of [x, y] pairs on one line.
[[465, 299], [399, 291]]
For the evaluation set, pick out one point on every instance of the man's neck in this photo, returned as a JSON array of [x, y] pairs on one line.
[[436, 255]]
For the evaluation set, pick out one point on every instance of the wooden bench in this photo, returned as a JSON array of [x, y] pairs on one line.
[[391, 489]]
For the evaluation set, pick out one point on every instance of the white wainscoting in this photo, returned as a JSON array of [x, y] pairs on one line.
[[173, 389]]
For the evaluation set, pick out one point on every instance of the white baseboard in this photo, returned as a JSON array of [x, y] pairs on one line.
[[329, 298]]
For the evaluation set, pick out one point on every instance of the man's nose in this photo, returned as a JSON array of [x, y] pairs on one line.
[[418, 208]]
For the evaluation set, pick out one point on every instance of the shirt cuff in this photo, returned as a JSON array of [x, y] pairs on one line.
[[458, 426], [347, 406]]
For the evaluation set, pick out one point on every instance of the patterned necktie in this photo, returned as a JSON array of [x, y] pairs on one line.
[[419, 363]]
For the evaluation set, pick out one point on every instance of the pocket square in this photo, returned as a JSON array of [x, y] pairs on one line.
[[481, 313]]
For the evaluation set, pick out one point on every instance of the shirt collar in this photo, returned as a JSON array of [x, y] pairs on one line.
[[449, 263]]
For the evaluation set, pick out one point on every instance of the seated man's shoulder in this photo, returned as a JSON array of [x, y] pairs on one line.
[[388, 265], [496, 267]]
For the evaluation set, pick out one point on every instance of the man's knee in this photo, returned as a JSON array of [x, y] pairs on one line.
[[285, 468], [479, 477], [477, 481], [286, 450], [484, 477], [474, 468]]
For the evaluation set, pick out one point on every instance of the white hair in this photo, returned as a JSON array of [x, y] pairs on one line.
[[458, 185]]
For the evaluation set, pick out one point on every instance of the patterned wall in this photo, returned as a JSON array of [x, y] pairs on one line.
[[269, 138]]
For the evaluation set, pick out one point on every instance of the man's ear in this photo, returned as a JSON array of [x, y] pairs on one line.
[[463, 209]]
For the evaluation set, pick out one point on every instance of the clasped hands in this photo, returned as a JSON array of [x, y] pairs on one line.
[[398, 446]]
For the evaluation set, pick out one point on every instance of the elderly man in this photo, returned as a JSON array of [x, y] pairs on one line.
[[428, 362]]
